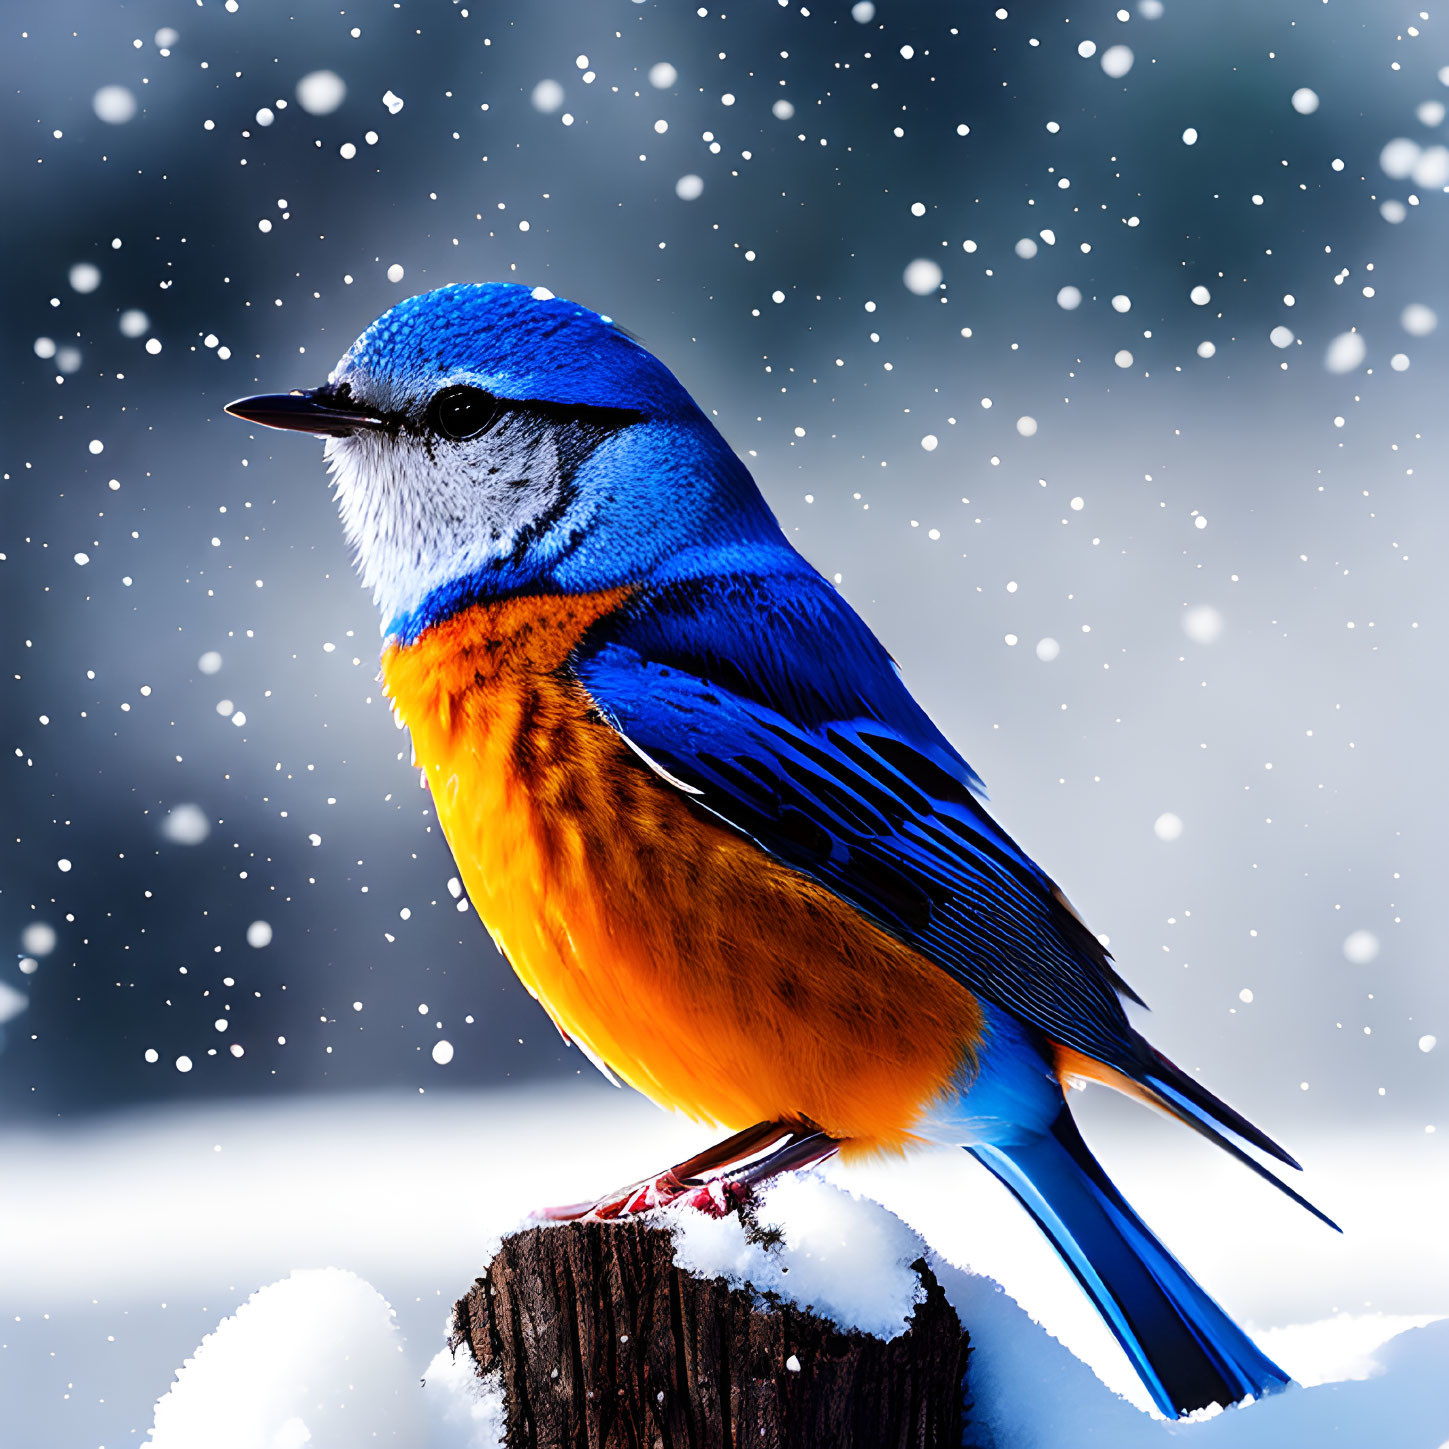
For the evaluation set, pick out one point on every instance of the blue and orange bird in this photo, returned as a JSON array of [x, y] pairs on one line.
[[702, 816]]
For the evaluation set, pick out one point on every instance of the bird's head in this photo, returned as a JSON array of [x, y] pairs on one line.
[[487, 439]]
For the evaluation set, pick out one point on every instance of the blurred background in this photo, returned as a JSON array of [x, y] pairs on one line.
[[1094, 352]]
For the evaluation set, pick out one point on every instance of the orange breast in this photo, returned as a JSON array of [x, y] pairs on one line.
[[704, 973]]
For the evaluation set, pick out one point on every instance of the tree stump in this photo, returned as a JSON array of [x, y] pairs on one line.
[[601, 1342]]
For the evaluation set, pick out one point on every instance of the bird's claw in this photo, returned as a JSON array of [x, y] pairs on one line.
[[716, 1197]]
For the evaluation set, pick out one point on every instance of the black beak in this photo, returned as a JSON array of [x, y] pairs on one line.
[[319, 410]]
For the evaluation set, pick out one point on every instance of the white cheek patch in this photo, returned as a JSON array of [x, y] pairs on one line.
[[421, 513]]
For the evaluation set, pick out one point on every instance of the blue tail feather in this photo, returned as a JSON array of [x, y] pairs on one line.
[[1188, 1351], [1205, 1114]]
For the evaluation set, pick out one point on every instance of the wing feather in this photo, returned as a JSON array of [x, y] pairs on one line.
[[773, 707], [787, 721]]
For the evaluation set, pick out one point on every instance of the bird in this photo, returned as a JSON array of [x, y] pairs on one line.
[[704, 819]]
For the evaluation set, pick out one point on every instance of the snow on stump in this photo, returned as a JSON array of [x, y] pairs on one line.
[[599, 1337]]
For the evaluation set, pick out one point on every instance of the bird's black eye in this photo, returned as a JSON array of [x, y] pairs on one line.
[[462, 412]]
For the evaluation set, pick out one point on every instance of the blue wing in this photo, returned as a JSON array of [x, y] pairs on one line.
[[761, 693], [768, 696]]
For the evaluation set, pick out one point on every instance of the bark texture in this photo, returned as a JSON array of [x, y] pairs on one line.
[[600, 1342]]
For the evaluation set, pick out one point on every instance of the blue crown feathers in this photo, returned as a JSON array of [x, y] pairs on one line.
[[521, 343]]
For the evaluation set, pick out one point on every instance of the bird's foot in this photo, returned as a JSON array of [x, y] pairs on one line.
[[713, 1196], [697, 1184]]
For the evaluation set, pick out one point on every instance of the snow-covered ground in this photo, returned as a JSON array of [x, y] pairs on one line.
[[124, 1243]]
